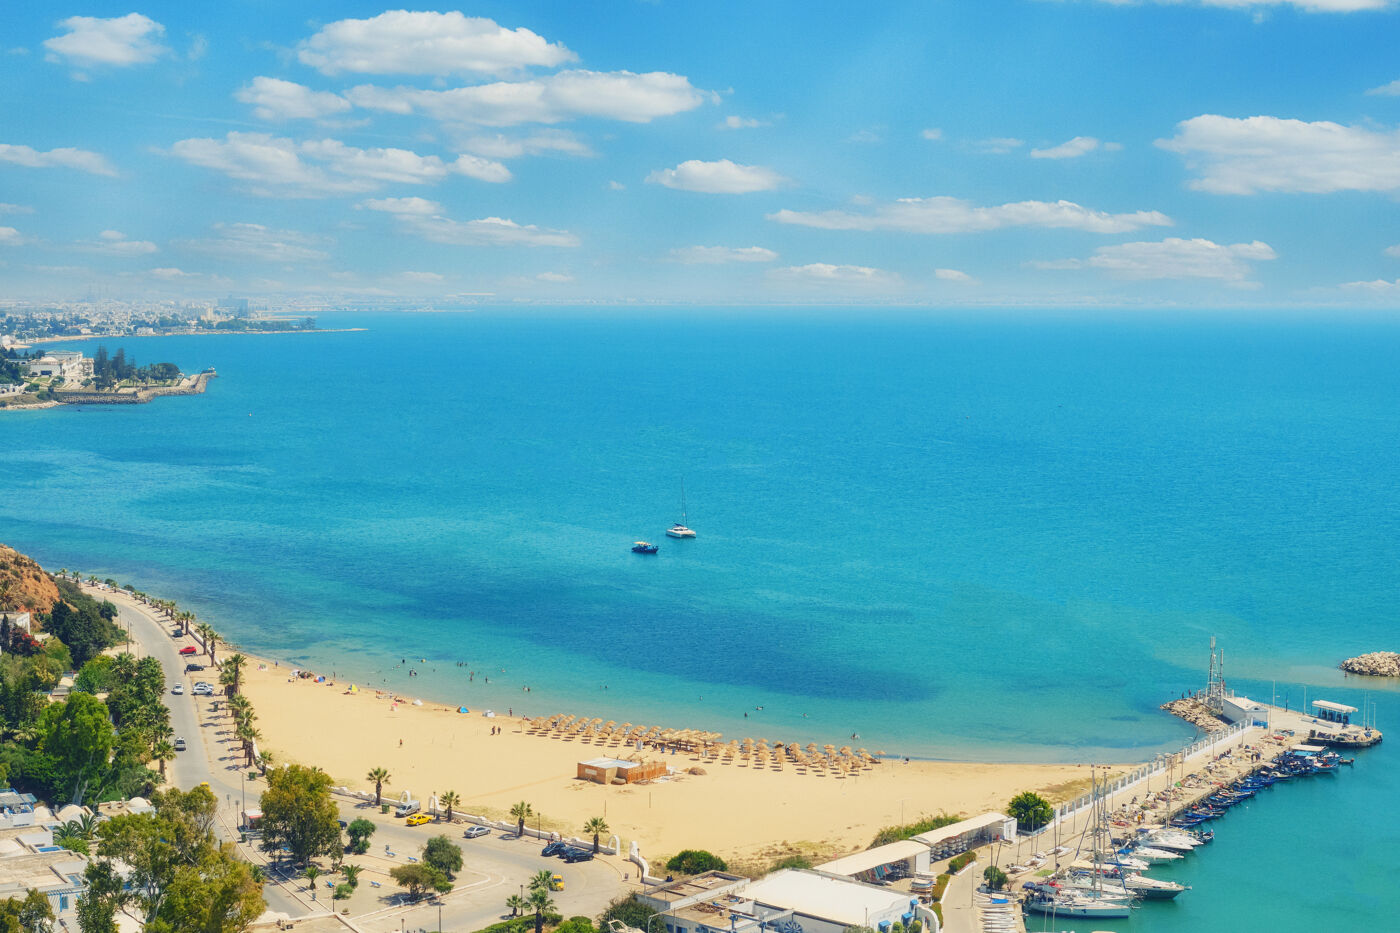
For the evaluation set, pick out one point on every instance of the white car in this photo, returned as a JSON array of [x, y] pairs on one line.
[[178, 690], [203, 690], [179, 744], [475, 832]]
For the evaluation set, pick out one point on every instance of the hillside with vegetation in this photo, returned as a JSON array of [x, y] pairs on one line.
[[24, 586]]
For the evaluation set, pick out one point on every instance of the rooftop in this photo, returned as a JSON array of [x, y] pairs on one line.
[[934, 836], [1334, 707], [874, 858], [709, 882], [839, 900]]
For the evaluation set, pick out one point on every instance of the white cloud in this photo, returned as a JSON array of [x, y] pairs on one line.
[[828, 274], [616, 186], [255, 242], [427, 43], [721, 177], [1393, 251], [867, 136], [426, 219], [713, 255], [1174, 258], [1309, 6], [1246, 156], [281, 167], [1378, 286], [15, 209], [171, 274], [557, 278], [732, 122], [953, 215], [952, 275], [1387, 90], [543, 142], [79, 159], [998, 145], [115, 243], [933, 134], [1073, 149], [132, 39], [9, 236], [427, 277], [568, 95], [275, 99]]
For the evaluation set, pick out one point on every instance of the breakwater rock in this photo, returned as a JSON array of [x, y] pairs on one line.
[[1374, 664], [1196, 713]]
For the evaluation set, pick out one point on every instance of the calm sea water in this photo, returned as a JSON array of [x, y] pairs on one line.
[[993, 537]]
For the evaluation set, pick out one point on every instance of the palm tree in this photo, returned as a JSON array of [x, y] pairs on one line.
[[542, 903], [248, 736], [233, 671], [351, 873], [521, 811], [449, 800], [516, 903], [162, 752], [540, 880], [378, 777], [312, 873], [597, 826]]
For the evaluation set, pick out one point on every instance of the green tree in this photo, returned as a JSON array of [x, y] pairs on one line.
[[352, 874], [540, 880], [449, 800], [444, 855], [419, 879], [162, 752], [359, 831], [522, 812], [342, 892], [628, 911], [97, 908], [378, 777], [694, 862], [516, 903], [298, 813], [35, 914], [311, 873], [1031, 810], [78, 735], [541, 903], [596, 827], [995, 877]]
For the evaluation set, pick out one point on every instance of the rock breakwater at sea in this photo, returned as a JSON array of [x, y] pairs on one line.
[[1373, 664], [1196, 713]]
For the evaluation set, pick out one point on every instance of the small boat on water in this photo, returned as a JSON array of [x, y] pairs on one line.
[[642, 547], [679, 529]]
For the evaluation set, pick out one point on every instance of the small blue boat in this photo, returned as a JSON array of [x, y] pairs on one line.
[[642, 547]]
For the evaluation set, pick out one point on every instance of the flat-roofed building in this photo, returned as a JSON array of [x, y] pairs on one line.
[[875, 866], [957, 838]]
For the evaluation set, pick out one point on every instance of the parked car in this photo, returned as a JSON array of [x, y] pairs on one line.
[[202, 689], [476, 832], [407, 809], [178, 689], [553, 848], [189, 649], [179, 744], [191, 668], [578, 855], [418, 819]]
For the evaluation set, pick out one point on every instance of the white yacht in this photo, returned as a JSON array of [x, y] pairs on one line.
[[679, 530]]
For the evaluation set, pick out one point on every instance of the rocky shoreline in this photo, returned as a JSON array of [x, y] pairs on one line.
[[190, 385], [1196, 713], [1373, 664]]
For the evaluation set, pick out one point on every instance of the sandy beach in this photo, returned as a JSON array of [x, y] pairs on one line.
[[733, 809]]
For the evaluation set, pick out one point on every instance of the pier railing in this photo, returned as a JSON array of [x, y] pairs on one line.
[[1068, 811]]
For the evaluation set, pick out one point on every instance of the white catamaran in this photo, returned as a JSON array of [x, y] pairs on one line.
[[679, 530]]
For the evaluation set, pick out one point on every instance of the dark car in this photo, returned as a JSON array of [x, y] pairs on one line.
[[191, 668], [578, 855], [554, 848]]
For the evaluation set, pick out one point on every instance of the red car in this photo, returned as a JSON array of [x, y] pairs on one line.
[[189, 649]]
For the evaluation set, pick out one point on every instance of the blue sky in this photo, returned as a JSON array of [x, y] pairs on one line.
[[1002, 152]]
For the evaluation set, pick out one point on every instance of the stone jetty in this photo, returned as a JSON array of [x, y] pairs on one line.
[[1196, 713], [1374, 664]]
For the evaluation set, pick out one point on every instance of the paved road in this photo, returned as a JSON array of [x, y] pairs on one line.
[[495, 866]]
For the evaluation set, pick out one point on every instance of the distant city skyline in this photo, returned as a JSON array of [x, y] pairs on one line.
[[1100, 153]]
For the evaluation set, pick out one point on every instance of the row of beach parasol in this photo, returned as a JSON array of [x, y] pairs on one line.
[[707, 746]]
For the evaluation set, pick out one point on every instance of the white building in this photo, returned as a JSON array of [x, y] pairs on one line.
[[69, 365], [11, 388]]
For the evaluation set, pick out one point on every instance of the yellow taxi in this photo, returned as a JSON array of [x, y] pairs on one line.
[[418, 819], [556, 883]]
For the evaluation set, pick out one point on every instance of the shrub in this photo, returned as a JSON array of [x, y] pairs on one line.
[[959, 862], [940, 885], [792, 861], [924, 824], [995, 877], [627, 910], [694, 862]]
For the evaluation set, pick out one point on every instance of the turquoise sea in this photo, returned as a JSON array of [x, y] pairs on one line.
[[1000, 536]]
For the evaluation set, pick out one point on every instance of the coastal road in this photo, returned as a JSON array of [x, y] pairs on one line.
[[494, 866]]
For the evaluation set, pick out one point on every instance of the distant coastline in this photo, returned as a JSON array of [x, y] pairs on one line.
[[189, 385], [193, 332]]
